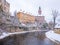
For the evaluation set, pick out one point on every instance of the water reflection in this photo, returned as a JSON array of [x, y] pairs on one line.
[[37, 38]]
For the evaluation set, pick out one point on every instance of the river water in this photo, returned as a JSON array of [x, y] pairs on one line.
[[36, 38]]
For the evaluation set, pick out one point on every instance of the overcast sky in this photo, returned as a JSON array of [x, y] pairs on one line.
[[31, 6]]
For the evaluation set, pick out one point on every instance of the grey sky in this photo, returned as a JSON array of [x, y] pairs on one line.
[[31, 6]]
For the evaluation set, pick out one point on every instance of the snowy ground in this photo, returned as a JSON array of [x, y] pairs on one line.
[[53, 36]]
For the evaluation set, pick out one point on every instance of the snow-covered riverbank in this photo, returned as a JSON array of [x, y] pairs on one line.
[[53, 36], [4, 34]]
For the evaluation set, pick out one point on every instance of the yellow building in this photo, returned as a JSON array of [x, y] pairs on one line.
[[25, 18], [5, 5]]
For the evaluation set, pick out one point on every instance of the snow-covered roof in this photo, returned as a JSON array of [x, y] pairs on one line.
[[57, 26], [58, 22]]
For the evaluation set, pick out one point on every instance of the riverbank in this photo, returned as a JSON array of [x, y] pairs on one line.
[[29, 38], [4, 34], [53, 36]]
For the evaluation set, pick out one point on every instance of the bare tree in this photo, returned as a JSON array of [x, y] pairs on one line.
[[55, 14]]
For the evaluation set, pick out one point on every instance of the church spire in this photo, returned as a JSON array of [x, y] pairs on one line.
[[39, 10]]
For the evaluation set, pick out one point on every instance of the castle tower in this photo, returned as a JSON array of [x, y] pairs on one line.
[[39, 10]]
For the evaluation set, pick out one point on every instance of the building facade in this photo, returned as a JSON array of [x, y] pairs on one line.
[[25, 18], [5, 5], [40, 19]]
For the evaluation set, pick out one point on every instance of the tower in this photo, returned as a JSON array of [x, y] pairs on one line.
[[39, 10]]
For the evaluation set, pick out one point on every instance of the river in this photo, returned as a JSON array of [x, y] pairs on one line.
[[36, 38]]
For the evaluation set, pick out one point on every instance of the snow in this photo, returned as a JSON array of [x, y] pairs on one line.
[[8, 34], [53, 36], [57, 26], [4, 34]]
